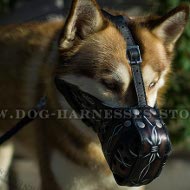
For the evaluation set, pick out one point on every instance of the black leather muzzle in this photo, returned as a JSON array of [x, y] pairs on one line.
[[134, 140]]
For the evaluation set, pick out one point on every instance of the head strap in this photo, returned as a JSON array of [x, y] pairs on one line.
[[133, 53]]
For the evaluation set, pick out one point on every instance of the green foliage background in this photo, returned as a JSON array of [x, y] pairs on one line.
[[178, 95], [6, 5]]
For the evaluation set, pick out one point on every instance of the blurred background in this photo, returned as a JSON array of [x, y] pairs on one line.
[[177, 172]]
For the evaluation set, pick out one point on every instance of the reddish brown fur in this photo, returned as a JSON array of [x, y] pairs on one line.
[[107, 49], [94, 53]]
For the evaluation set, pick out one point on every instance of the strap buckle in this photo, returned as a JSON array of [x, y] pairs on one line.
[[134, 55]]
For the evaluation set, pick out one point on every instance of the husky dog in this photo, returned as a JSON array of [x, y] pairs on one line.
[[90, 52]]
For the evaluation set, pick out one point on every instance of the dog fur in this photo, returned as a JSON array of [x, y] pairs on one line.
[[90, 53]]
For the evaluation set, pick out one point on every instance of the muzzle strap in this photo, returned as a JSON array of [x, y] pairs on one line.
[[135, 60], [133, 55]]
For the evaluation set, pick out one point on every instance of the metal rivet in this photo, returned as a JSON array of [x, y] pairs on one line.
[[136, 112], [158, 124], [153, 111], [127, 123], [140, 124]]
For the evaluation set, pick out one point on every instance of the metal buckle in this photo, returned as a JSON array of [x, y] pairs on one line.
[[134, 55]]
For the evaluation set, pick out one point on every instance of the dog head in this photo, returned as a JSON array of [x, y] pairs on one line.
[[93, 58], [93, 52]]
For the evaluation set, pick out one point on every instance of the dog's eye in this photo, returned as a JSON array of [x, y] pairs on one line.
[[152, 85], [110, 85]]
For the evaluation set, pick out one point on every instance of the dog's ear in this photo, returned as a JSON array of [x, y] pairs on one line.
[[84, 19], [170, 27]]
